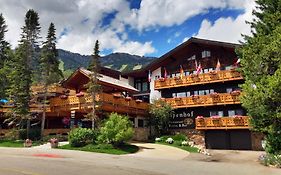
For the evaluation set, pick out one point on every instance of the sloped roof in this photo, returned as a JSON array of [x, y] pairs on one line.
[[157, 62], [106, 80]]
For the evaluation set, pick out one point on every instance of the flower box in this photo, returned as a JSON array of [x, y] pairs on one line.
[[176, 78], [80, 94], [138, 101], [63, 96], [199, 117], [116, 95], [128, 98], [195, 96], [236, 92], [214, 94], [161, 79]]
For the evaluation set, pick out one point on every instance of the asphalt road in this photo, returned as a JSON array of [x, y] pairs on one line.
[[26, 161]]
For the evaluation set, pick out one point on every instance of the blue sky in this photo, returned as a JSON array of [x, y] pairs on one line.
[[141, 27]]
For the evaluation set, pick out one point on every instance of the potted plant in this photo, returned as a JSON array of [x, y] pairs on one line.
[[27, 143], [54, 142]]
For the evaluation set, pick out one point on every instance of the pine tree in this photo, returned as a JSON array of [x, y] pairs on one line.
[[49, 66], [261, 66], [4, 48], [21, 76], [93, 87]]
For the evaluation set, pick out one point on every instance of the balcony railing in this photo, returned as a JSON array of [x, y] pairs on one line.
[[241, 122], [220, 76], [204, 100], [107, 102], [32, 108], [51, 89]]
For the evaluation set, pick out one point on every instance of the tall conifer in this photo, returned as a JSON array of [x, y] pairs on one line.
[[93, 87], [261, 66], [49, 66], [21, 76]]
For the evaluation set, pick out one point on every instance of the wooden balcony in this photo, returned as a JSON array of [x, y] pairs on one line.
[[33, 108], [108, 102], [51, 89], [203, 100], [220, 76], [241, 122]]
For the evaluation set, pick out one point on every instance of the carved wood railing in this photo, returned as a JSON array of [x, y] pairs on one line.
[[220, 76], [203, 100], [240, 122]]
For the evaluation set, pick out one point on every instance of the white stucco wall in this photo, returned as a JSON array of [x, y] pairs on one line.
[[154, 94]]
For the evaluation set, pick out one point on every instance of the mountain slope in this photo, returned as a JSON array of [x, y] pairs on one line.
[[117, 61]]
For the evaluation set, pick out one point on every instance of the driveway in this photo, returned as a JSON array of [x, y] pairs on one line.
[[151, 160]]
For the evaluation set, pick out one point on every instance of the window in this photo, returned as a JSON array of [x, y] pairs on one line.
[[140, 123], [207, 92], [212, 91], [201, 92], [133, 121], [186, 73], [144, 86], [216, 113], [193, 57], [195, 93], [181, 94], [228, 90], [174, 95], [231, 112], [206, 53], [188, 94]]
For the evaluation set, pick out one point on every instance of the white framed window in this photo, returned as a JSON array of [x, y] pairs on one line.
[[206, 53], [193, 57]]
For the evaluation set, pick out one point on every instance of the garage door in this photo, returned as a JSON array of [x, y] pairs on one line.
[[230, 139]]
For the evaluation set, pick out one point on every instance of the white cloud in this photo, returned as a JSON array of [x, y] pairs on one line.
[[155, 13], [69, 14], [228, 29]]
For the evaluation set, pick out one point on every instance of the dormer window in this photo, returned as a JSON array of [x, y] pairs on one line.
[[206, 53]]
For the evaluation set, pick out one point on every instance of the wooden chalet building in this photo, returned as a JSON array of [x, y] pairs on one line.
[[205, 101], [69, 103]]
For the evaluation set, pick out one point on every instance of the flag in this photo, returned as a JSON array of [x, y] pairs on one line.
[[181, 72], [218, 67], [149, 76], [198, 69], [165, 73]]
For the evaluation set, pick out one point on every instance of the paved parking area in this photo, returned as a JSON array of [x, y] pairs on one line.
[[152, 160]]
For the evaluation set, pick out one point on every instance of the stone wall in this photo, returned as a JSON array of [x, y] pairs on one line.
[[256, 138], [141, 134]]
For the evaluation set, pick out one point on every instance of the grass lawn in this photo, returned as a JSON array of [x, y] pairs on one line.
[[104, 148], [16, 143], [186, 148]]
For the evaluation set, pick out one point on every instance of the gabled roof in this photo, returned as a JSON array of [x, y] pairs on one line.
[[157, 62], [103, 79]]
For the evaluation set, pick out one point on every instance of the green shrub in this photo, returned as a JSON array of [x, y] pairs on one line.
[[116, 130], [80, 137], [34, 134], [271, 159], [179, 137]]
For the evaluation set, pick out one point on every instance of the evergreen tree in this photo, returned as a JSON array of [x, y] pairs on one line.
[[49, 66], [4, 47], [261, 66], [93, 87], [21, 75]]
